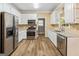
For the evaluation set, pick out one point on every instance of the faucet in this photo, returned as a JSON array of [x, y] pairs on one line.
[[61, 27]]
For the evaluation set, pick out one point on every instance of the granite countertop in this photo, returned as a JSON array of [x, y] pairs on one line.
[[74, 34], [69, 34]]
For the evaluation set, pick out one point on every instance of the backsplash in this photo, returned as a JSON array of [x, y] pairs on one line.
[[52, 27], [75, 26], [67, 27]]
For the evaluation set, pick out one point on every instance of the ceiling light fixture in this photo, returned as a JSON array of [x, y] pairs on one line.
[[36, 5]]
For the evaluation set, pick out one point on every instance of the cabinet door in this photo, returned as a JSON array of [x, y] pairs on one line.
[[53, 37], [22, 34], [7, 8], [57, 17], [51, 19], [1, 7], [69, 13], [32, 16], [76, 7], [54, 17], [24, 19]]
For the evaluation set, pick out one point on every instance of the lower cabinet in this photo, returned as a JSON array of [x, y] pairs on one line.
[[22, 34], [53, 37]]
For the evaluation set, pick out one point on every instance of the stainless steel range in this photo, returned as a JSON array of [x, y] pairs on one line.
[[31, 31]]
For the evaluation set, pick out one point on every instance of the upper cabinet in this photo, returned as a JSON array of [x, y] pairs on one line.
[[52, 20], [69, 13], [61, 14], [5, 7], [54, 17], [76, 7], [57, 14], [1, 7], [32, 16], [25, 17]]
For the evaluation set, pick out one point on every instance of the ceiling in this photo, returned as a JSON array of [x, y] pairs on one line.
[[28, 7]]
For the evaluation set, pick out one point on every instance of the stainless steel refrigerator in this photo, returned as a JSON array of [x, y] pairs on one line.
[[15, 30], [7, 33]]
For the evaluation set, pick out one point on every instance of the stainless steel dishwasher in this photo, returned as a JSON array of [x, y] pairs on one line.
[[62, 44]]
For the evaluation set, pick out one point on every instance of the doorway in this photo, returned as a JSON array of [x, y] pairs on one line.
[[41, 26]]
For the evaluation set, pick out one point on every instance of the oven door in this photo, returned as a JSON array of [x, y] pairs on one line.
[[30, 33], [62, 44]]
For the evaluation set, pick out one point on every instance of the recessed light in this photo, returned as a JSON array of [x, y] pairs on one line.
[[36, 5]]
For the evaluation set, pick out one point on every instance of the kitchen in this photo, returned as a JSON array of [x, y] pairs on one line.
[[55, 26]]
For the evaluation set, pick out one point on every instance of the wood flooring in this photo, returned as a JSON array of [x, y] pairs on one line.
[[37, 47]]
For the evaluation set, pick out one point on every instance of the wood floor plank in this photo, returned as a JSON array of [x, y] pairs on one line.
[[37, 47]]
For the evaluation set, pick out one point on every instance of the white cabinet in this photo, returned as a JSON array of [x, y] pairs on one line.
[[69, 13], [25, 17], [76, 7], [54, 18], [22, 34], [32, 16], [1, 7], [53, 37], [5, 7]]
